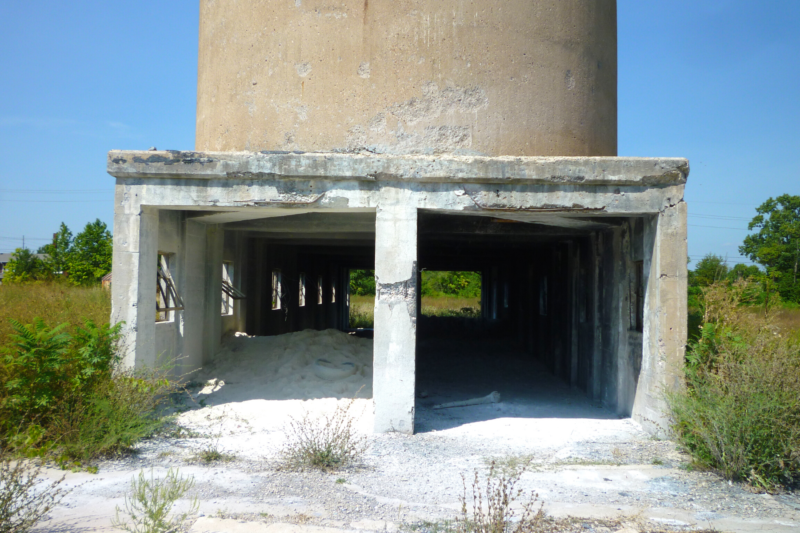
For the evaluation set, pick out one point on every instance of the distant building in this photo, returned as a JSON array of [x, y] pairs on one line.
[[5, 258]]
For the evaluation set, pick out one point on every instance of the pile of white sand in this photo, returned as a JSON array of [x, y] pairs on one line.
[[295, 366]]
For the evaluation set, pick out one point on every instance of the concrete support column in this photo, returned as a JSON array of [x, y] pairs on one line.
[[665, 316], [194, 296], [133, 290], [394, 364]]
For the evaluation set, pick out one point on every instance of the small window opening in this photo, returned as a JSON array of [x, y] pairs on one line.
[[320, 294], [167, 297], [301, 298], [333, 289], [276, 289], [229, 293], [543, 296]]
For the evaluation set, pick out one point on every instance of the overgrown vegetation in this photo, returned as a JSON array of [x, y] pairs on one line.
[[22, 505], [740, 411], [150, 501], [327, 442], [62, 393]]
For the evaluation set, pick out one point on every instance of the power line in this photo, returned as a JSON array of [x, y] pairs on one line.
[[76, 191], [55, 201], [718, 217], [716, 227]]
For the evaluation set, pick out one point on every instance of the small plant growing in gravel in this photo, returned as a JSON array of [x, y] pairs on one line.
[[150, 501], [326, 443], [492, 502], [21, 505]]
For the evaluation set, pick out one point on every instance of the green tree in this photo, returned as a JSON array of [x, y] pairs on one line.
[[90, 257], [709, 269], [362, 282], [776, 243], [745, 272], [58, 251], [24, 266]]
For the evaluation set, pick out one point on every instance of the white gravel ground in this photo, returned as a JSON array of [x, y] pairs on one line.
[[584, 462]]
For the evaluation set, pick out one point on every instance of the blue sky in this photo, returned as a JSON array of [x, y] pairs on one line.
[[715, 81]]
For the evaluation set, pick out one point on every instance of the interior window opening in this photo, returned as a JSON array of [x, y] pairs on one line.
[[302, 290], [229, 292], [276, 289], [320, 293], [227, 281], [167, 298]]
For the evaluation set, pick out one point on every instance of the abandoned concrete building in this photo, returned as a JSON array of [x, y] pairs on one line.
[[399, 137]]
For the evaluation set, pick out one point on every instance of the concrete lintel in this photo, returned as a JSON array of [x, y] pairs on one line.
[[613, 171]]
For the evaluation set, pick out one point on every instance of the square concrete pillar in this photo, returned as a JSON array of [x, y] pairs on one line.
[[133, 290], [394, 359], [665, 320]]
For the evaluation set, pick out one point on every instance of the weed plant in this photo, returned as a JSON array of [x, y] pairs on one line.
[[739, 413], [22, 504], [326, 443], [493, 505], [150, 501]]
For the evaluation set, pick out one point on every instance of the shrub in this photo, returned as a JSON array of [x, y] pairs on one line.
[[500, 491], [740, 410], [22, 506], [150, 501], [326, 443], [65, 392]]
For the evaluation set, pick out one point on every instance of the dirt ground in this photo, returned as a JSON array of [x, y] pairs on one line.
[[585, 463]]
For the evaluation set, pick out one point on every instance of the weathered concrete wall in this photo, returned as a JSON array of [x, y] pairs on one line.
[[519, 77], [664, 338], [598, 196]]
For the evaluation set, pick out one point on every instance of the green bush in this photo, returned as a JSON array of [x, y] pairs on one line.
[[740, 410], [64, 394]]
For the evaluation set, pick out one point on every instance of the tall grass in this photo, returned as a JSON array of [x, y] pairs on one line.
[[362, 308], [740, 411], [54, 303]]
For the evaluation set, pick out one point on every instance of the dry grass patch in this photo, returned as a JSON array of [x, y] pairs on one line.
[[54, 303]]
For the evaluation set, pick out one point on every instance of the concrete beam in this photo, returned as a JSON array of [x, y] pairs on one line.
[[607, 171]]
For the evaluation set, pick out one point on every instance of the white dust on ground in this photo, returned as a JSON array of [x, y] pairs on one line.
[[256, 385], [296, 366]]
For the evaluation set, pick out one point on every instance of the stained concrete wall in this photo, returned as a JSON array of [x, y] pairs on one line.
[[518, 77]]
